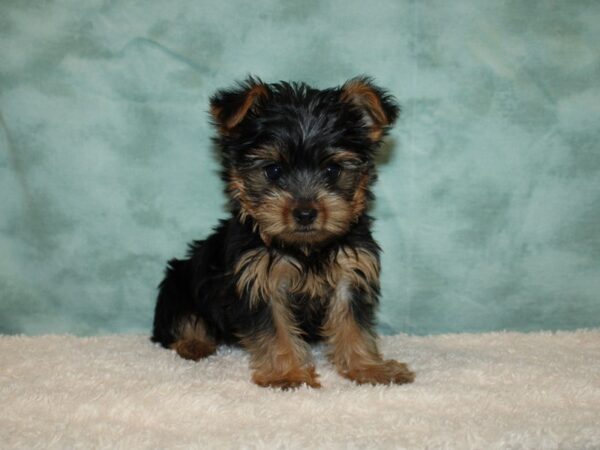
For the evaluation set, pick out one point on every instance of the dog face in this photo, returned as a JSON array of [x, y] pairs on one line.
[[297, 160]]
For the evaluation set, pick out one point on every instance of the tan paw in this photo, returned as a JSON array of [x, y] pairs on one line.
[[386, 372], [290, 380], [194, 349]]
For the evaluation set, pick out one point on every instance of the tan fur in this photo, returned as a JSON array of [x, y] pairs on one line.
[[237, 190], [231, 122], [194, 342], [281, 359], [350, 346], [267, 153], [358, 267], [345, 156], [337, 211], [359, 201], [279, 355], [215, 112], [274, 215], [193, 349], [353, 350], [264, 274], [362, 95], [383, 372], [293, 378]]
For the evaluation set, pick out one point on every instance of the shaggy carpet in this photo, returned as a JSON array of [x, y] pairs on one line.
[[499, 390]]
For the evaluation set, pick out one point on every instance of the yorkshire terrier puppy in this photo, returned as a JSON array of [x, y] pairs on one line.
[[295, 263]]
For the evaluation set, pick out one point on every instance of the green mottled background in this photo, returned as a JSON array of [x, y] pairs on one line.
[[489, 196]]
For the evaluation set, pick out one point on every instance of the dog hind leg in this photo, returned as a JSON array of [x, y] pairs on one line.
[[193, 341], [175, 324]]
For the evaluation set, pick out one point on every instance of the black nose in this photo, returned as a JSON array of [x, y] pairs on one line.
[[305, 216]]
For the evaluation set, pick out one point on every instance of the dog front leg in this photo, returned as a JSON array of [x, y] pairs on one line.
[[352, 340], [279, 357]]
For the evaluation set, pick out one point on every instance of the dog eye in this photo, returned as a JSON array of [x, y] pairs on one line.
[[332, 171], [273, 172]]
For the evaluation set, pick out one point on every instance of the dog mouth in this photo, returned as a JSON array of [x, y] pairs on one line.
[[305, 235], [305, 230]]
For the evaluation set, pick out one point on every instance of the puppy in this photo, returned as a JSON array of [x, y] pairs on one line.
[[295, 262]]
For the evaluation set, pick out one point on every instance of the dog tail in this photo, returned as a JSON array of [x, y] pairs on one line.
[[175, 324]]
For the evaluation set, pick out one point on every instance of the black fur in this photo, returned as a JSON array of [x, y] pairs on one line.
[[307, 127], [203, 285]]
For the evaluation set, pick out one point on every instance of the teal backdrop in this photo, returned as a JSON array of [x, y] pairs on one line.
[[488, 201]]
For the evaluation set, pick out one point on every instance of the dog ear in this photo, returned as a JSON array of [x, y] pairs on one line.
[[229, 107], [379, 109]]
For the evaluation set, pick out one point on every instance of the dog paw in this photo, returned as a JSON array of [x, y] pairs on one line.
[[386, 372], [194, 349], [290, 380]]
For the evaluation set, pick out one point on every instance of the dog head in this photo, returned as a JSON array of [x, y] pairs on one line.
[[298, 161]]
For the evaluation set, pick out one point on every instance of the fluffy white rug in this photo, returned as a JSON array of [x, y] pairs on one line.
[[500, 390]]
